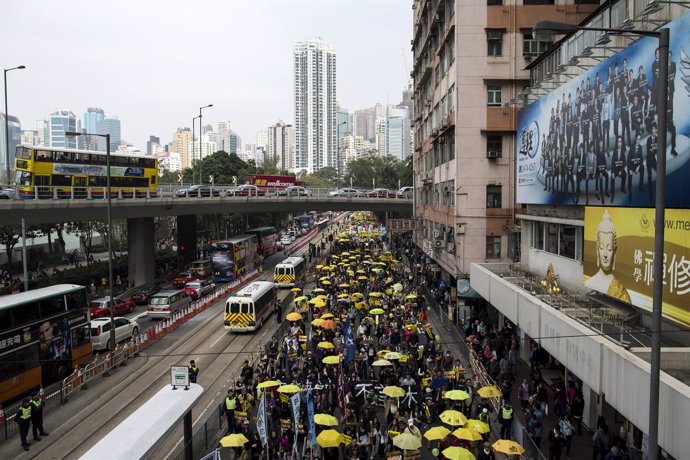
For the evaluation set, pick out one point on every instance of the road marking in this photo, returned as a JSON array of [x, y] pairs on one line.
[[224, 334]]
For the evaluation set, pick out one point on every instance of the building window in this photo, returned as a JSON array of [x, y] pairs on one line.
[[567, 241], [538, 235], [532, 47], [494, 95], [538, 2], [494, 2], [551, 241], [493, 247], [494, 40], [494, 146], [493, 196]]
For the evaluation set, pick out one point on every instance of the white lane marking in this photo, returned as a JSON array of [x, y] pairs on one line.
[[224, 334]]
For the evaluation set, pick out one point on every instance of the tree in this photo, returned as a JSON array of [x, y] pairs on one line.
[[9, 237], [385, 169]]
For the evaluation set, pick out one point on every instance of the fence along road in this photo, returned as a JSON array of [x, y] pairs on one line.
[[78, 425]]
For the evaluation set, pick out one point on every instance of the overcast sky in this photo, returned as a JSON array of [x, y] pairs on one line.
[[153, 63]]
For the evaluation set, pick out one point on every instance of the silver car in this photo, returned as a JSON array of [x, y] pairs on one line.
[[100, 331]]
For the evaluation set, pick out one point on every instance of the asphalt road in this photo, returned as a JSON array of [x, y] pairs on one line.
[[75, 427]]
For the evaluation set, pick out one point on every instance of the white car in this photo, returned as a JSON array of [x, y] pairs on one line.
[[100, 331], [285, 240]]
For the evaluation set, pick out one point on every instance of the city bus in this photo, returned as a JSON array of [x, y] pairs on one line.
[[44, 335], [232, 258], [266, 238], [66, 173], [287, 272], [248, 309], [304, 220]]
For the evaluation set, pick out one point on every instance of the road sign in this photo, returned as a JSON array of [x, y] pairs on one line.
[[179, 377], [179, 178], [234, 179], [210, 179]]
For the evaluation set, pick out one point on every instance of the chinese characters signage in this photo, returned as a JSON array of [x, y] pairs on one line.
[[619, 254], [401, 225]]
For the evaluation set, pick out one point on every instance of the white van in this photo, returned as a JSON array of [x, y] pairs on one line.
[[201, 267], [166, 303]]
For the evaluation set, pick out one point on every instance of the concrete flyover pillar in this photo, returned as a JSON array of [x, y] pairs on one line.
[[186, 237], [140, 248]]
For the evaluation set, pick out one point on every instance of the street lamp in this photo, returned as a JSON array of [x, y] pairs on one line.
[[191, 163], [200, 128], [7, 125], [110, 226], [663, 36]]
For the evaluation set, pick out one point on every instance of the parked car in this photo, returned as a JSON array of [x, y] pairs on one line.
[[381, 193], [197, 191], [142, 296], [295, 190], [183, 278], [352, 192], [406, 192], [7, 193], [100, 331], [246, 190], [101, 307], [199, 288]]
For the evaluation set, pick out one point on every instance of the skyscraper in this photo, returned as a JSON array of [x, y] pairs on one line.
[[235, 143], [181, 140], [152, 144], [109, 126], [58, 124], [223, 137], [315, 105], [92, 117], [281, 145], [262, 139], [398, 132]]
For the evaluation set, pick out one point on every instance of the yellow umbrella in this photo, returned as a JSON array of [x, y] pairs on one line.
[[318, 303], [325, 268], [329, 438], [467, 434], [392, 355], [345, 253], [377, 270], [361, 272], [456, 395], [288, 389], [376, 294], [323, 278], [453, 417], [317, 322], [489, 392], [458, 453], [268, 384], [381, 362], [478, 426], [382, 353], [325, 419], [509, 447], [360, 305], [393, 391], [319, 267], [234, 440], [411, 296], [326, 345], [407, 441], [301, 298], [437, 432], [327, 316], [357, 295], [294, 316], [351, 273], [323, 297], [376, 311], [343, 296], [295, 290], [326, 283], [331, 359], [318, 290], [362, 278], [343, 285]]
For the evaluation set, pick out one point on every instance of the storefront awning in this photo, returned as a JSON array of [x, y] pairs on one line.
[[465, 291]]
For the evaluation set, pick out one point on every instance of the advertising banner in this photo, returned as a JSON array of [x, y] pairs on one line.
[[619, 253], [261, 426], [593, 141]]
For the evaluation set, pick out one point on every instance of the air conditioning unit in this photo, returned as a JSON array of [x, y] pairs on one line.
[[451, 248], [437, 233], [438, 244], [461, 228], [493, 154]]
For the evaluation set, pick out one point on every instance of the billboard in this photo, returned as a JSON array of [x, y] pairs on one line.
[[593, 141], [619, 253]]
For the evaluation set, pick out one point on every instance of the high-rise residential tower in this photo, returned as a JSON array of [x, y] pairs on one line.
[[398, 132], [315, 105], [181, 140], [281, 145]]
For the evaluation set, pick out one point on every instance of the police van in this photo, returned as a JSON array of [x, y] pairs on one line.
[[287, 272], [247, 309]]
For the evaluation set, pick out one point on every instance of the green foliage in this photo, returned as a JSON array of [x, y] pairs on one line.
[[386, 169]]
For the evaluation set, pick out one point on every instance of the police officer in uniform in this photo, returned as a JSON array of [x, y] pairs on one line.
[[506, 419], [23, 418], [37, 417], [193, 371], [230, 407]]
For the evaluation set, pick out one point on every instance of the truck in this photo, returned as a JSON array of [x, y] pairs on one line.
[[271, 184]]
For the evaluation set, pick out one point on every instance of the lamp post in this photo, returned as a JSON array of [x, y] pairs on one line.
[[110, 227], [191, 163], [663, 36], [200, 128], [7, 125]]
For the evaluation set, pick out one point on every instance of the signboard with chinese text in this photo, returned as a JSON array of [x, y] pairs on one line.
[[620, 263], [401, 225], [567, 140], [179, 376]]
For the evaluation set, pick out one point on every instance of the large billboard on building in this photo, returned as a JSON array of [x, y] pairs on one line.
[[593, 140], [619, 254]]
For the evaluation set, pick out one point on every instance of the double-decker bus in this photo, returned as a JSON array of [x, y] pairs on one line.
[[248, 309], [44, 335], [289, 271], [233, 257], [266, 238], [66, 173], [305, 220]]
